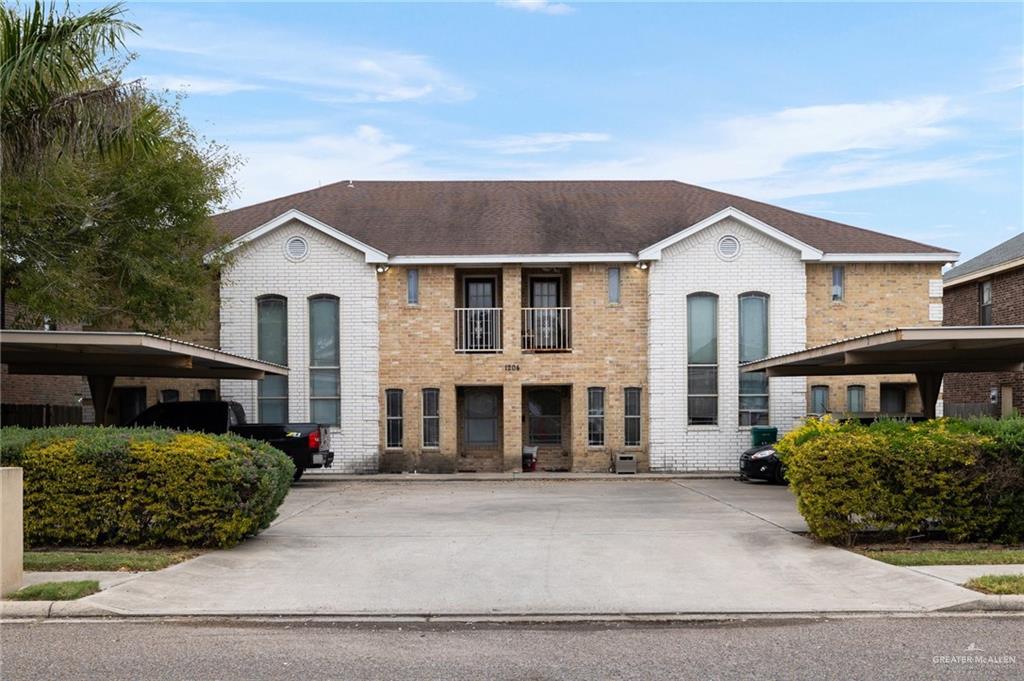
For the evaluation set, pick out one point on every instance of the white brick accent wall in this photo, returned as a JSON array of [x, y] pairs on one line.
[[261, 268], [693, 265]]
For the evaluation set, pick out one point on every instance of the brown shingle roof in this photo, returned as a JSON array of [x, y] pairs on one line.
[[539, 217]]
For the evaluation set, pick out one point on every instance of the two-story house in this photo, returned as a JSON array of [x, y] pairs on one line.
[[984, 291], [448, 325]]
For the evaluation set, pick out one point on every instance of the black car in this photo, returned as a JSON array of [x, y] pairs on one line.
[[761, 463], [307, 444]]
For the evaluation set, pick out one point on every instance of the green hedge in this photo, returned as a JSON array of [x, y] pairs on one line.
[[963, 477], [87, 486]]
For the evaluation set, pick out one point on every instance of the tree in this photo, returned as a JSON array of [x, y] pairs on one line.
[[106, 191]]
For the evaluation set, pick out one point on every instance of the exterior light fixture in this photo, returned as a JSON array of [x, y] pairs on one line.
[[642, 265], [381, 269]]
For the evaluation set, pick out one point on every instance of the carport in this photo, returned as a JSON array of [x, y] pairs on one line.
[[102, 356], [926, 352]]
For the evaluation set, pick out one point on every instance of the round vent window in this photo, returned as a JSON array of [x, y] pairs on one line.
[[728, 247], [296, 248]]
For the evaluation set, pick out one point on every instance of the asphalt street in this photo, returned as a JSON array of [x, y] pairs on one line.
[[912, 647]]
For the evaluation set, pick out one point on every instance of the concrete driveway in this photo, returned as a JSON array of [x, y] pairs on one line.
[[532, 547]]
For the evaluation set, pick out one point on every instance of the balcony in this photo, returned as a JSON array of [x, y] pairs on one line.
[[478, 329], [547, 329]]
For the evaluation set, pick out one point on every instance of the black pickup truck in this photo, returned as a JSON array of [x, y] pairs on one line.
[[308, 444]]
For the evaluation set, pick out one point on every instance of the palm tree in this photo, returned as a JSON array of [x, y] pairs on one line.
[[60, 91]]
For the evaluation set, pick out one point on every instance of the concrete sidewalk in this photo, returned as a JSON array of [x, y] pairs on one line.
[[541, 548]]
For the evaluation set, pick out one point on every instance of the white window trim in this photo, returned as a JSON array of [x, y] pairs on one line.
[[424, 417]]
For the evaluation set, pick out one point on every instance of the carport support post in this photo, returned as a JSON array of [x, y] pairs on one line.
[[928, 384], [101, 388]]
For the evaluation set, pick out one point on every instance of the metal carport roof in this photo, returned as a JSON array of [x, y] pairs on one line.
[[101, 356], [926, 352]]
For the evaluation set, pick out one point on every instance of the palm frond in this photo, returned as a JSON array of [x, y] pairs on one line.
[[55, 95]]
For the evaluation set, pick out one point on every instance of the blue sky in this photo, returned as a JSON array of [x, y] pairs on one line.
[[903, 118]]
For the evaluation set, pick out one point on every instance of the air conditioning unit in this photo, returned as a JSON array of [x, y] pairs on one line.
[[625, 463]]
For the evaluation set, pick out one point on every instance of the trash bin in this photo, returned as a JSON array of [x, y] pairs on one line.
[[763, 435], [529, 459]]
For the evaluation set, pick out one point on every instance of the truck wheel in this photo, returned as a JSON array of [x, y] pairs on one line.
[[298, 474]]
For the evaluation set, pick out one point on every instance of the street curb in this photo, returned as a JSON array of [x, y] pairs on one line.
[[29, 610], [48, 609]]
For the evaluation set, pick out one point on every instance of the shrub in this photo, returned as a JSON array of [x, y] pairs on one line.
[[966, 477], [88, 486]]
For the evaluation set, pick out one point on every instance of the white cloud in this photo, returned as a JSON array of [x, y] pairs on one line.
[[318, 69], [538, 6], [1007, 75], [197, 84], [283, 167], [803, 150], [539, 142]]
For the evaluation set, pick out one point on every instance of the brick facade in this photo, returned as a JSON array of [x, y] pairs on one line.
[[261, 267], [417, 351], [639, 342], [876, 296], [968, 394], [764, 265]]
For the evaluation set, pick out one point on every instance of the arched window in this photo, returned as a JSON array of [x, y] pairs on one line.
[[702, 359], [272, 346], [324, 361], [753, 336]]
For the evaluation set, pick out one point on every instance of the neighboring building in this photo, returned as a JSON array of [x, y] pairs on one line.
[[448, 325], [986, 290]]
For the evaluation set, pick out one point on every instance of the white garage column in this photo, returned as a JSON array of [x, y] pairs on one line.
[[264, 267], [693, 265]]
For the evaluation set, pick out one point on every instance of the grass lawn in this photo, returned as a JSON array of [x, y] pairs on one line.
[[998, 584], [104, 559], [911, 557], [56, 591]]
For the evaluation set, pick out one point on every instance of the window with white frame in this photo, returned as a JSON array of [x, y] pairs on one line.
[[412, 286], [431, 417], [272, 346], [985, 303], [393, 417], [838, 283], [632, 417], [702, 360], [324, 361], [819, 399], [614, 285], [855, 399], [595, 417], [753, 313]]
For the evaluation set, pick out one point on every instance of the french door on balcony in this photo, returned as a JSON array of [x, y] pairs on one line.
[[479, 323], [545, 321]]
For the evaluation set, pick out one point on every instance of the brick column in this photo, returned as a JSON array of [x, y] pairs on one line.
[[512, 314]]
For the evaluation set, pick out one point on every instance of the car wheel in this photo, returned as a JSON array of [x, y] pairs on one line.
[[298, 474], [780, 475]]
